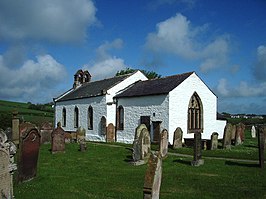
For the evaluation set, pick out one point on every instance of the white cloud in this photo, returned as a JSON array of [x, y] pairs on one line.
[[56, 21], [178, 36], [106, 65], [35, 81], [259, 70]]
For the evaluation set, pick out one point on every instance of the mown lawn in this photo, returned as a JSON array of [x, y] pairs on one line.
[[103, 171]]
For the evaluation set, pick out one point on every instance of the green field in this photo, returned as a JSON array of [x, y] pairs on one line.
[[103, 171], [26, 113]]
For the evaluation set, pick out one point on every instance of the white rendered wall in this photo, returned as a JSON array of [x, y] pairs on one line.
[[99, 109], [178, 108], [135, 107]]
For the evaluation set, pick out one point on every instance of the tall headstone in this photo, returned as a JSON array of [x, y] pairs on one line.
[[46, 130], [178, 136], [7, 166], [163, 143], [110, 133], [242, 133], [238, 139], [197, 160], [58, 139], [153, 178], [15, 127], [214, 141], [29, 145], [227, 136], [233, 133], [261, 143], [253, 131]]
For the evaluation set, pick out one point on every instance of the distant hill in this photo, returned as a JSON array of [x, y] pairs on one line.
[[34, 113]]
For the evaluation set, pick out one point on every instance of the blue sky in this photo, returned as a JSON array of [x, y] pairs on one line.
[[43, 43]]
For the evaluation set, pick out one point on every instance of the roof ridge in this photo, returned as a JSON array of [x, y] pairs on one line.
[[165, 77]]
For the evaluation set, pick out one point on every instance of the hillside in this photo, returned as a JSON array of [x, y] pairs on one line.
[[36, 114]]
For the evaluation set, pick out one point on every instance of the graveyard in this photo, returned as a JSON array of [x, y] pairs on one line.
[[104, 171]]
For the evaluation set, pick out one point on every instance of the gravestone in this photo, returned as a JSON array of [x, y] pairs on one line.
[[233, 132], [178, 136], [242, 132], [139, 129], [80, 133], [238, 139], [214, 141], [110, 133], [29, 145], [15, 127], [197, 160], [7, 166], [227, 136], [163, 144], [8, 133], [58, 139], [253, 131], [153, 178], [141, 147], [261, 143], [46, 130]]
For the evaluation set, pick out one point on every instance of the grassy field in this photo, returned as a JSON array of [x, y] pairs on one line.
[[103, 172]]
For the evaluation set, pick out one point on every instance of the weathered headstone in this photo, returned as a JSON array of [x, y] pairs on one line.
[[163, 145], [110, 133], [227, 136], [253, 131], [214, 141], [139, 129], [29, 145], [7, 166], [197, 160], [81, 133], [242, 133], [15, 128], [178, 136], [233, 132], [261, 143], [153, 178], [58, 139], [46, 130], [240, 129]]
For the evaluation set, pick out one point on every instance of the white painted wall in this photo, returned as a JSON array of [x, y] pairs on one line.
[[178, 108], [134, 107]]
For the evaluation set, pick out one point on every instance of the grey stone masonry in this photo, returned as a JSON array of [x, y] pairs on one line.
[[163, 143], [214, 141], [178, 136], [227, 136]]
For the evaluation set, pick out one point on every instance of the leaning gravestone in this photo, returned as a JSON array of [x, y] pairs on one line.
[[7, 166], [178, 136], [29, 145], [139, 130], [253, 131], [197, 161], [153, 178], [46, 131], [227, 136], [163, 145], [110, 133], [58, 139], [261, 143], [214, 141]]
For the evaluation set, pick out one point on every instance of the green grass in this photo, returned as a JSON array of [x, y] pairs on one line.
[[103, 172]]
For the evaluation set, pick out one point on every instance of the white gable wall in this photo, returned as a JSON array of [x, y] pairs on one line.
[[99, 109], [178, 108], [154, 106]]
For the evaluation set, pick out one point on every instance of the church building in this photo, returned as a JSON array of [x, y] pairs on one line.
[[126, 101]]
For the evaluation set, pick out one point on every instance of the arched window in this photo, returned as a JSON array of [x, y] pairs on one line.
[[90, 118], [76, 117], [195, 114], [120, 118], [64, 117]]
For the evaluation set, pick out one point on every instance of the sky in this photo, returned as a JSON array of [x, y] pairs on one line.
[[44, 42]]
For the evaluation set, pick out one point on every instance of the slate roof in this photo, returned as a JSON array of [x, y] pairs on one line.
[[92, 89], [154, 86]]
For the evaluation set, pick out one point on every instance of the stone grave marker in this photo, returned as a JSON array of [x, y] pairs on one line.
[[58, 139], [139, 129], [153, 178], [46, 130], [214, 141], [29, 145], [163, 144], [197, 160], [238, 139], [81, 132], [8, 133], [178, 136], [15, 127], [261, 143], [233, 133], [242, 132], [227, 136], [110, 133], [253, 131]]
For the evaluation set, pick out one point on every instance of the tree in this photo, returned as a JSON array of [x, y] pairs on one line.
[[148, 74]]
